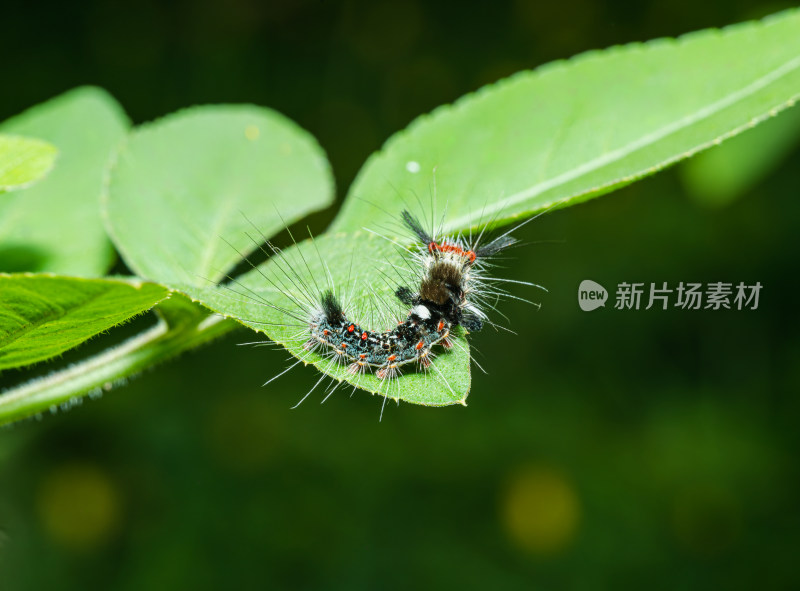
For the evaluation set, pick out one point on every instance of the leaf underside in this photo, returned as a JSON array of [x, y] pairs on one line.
[[186, 190]]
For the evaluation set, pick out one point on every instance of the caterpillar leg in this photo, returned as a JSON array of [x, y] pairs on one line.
[[359, 365], [387, 372], [446, 342], [424, 359]]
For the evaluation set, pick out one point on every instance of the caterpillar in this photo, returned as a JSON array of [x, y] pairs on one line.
[[444, 289], [451, 288]]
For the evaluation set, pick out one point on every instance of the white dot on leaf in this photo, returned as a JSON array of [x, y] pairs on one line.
[[412, 166]]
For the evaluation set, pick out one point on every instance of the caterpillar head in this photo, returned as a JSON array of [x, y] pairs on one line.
[[448, 278]]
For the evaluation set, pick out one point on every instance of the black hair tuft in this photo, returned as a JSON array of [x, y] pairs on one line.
[[416, 227], [332, 308], [495, 246], [406, 296]]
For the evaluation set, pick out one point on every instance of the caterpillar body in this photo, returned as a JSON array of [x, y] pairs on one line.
[[450, 293]]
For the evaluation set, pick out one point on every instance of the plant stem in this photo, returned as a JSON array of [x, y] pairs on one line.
[[64, 388]]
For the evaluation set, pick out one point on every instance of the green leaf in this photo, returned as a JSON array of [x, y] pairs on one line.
[[181, 326], [562, 134], [719, 176], [23, 161], [42, 316], [56, 224], [181, 187], [279, 296], [576, 129]]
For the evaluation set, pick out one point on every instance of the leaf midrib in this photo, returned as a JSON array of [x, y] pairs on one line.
[[207, 254], [642, 142]]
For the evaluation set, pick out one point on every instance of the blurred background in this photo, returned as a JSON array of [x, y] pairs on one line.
[[603, 450]]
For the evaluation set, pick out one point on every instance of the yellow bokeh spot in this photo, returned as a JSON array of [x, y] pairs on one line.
[[540, 510], [252, 132], [78, 505]]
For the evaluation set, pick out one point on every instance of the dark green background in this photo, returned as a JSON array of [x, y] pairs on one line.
[[671, 435]]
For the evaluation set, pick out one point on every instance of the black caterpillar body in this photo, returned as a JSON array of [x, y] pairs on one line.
[[447, 296]]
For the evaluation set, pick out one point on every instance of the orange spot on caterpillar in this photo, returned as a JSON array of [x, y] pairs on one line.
[[444, 247], [446, 271]]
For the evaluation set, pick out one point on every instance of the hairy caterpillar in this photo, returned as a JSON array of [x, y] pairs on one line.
[[448, 295], [442, 289]]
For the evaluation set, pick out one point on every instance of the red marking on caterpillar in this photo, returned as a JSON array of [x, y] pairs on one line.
[[450, 289], [454, 248]]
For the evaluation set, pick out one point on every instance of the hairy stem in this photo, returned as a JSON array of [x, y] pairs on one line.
[[178, 330]]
